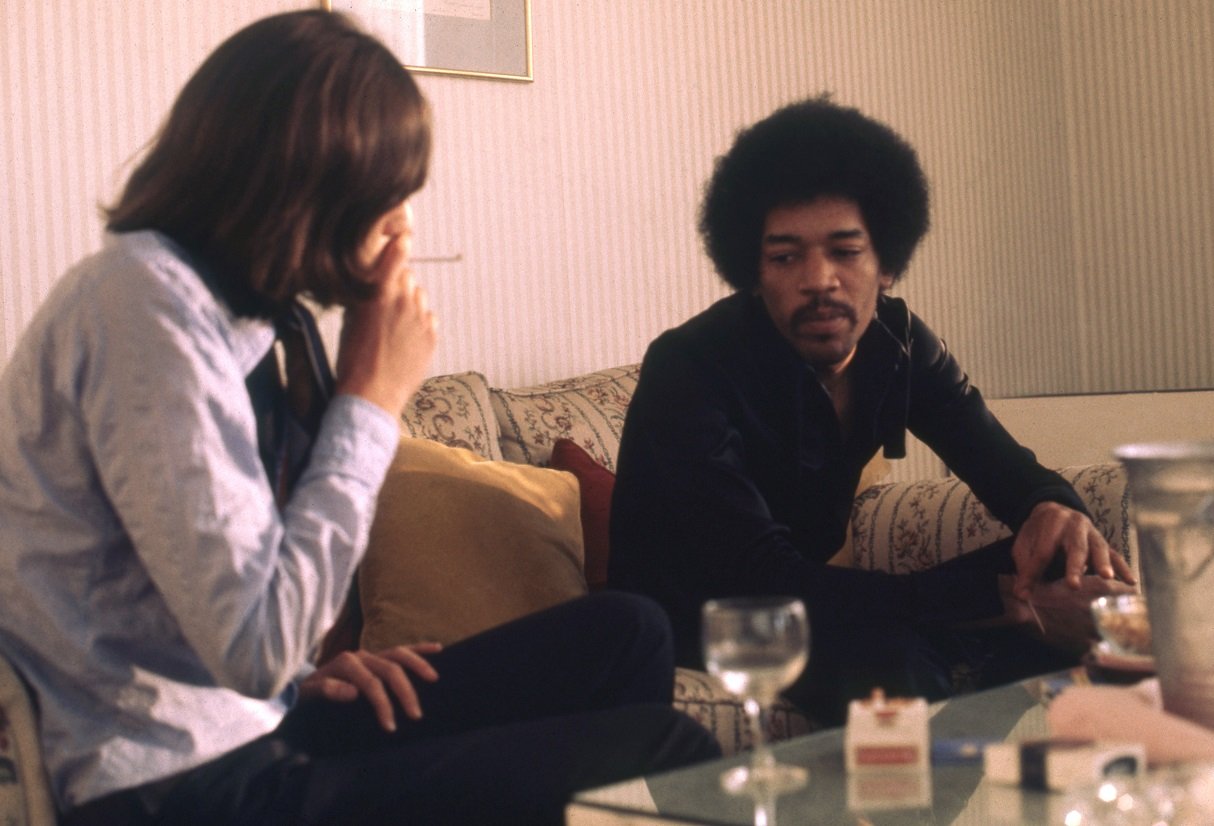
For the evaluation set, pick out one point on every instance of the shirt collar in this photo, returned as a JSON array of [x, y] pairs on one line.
[[251, 338]]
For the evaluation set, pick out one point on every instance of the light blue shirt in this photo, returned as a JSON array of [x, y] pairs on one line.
[[159, 604]]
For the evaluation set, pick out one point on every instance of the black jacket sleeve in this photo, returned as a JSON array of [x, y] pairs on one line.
[[949, 415]]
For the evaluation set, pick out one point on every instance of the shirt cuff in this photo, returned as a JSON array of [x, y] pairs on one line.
[[357, 438], [1062, 494], [290, 694]]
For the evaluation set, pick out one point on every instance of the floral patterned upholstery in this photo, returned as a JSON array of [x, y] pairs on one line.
[[931, 521], [909, 526], [456, 411], [587, 409]]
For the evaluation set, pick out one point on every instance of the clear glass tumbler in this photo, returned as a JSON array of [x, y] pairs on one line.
[[1172, 505]]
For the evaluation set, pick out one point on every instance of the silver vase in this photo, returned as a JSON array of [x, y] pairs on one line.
[[1172, 500]]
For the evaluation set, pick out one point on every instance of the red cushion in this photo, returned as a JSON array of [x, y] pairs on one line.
[[596, 482]]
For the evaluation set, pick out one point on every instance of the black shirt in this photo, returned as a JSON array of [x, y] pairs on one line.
[[734, 477]]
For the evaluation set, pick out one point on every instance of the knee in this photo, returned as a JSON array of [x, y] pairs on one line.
[[633, 617], [850, 664], [671, 738]]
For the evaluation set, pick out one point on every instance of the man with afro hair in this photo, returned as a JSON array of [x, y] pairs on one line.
[[751, 424]]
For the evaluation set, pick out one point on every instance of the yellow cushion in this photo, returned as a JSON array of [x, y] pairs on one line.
[[461, 543]]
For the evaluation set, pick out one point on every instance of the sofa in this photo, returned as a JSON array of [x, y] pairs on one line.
[[572, 426], [497, 505]]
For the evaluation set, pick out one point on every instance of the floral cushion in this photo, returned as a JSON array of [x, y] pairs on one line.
[[455, 410], [587, 409], [910, 526], [25, 798], [698, 695]]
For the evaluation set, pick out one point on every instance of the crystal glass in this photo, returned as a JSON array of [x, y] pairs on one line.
[[1178, 795], [756, 647], [1123, 624]]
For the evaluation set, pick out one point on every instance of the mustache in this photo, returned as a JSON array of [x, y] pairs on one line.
[[823, 305]]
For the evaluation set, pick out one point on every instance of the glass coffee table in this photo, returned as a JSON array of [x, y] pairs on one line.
[[954, 791]]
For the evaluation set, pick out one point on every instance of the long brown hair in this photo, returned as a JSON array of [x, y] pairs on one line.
[[278, 156]]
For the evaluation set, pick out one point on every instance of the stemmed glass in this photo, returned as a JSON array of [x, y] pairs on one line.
[[755, 647]]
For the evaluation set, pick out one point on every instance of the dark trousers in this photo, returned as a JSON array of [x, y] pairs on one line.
[[849, 659], [521, 717]]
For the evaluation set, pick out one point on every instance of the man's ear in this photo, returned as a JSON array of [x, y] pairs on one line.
[[885, 281]]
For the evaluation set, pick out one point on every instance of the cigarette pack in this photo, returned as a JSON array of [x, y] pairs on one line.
[[874, 791], [886, 734], [1057, 764]]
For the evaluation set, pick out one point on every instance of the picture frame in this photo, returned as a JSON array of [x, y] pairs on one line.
[[468, 38]]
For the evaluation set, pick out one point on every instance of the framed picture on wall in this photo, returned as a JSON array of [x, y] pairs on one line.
[[473, 38]]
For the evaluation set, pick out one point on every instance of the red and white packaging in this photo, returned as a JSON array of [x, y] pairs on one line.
[[887, 734]]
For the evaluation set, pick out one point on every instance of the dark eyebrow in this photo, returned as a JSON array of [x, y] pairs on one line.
[[846, 234], [838, 235]]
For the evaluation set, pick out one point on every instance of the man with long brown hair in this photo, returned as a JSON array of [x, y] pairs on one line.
[[178, 529]]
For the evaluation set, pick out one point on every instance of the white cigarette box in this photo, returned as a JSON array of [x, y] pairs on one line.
[[1057, 764], [887, 733]]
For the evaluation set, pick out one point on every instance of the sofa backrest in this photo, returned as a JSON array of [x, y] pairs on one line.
[[455, 410], [587, 409], [521, 424]]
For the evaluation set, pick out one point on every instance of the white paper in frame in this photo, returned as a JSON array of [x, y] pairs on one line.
[[471, 38]]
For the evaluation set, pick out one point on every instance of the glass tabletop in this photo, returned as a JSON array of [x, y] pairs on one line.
[[953, 791]]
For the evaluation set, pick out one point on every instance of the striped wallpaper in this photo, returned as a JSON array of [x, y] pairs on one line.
[[1140, 98], [1067, 141]]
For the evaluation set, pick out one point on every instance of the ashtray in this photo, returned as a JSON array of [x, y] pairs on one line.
[[1123, 624]]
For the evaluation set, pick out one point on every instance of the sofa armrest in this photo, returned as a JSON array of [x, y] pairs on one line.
[[910, 526], [25, 796]]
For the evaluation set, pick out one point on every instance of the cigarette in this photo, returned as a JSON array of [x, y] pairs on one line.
[[436, 259], [1036, 617]]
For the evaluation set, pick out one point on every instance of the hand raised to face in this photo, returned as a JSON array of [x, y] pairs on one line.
[[387, 341]]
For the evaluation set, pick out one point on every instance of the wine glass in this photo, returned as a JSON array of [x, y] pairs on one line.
[[755, 647]]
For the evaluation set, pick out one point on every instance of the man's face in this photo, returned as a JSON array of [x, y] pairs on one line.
[[819, 279], [396, 221]]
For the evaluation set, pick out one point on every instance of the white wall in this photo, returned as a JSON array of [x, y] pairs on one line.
[[84, 84], [572, 199], [589, 248]]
